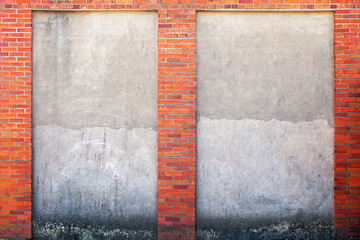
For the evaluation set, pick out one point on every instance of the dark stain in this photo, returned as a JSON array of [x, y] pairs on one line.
[[98, 158], [80, 201], [102, 204], [51, 188], [104, 141], [116, 193], [87, 151], [44, 203], [69, 195]]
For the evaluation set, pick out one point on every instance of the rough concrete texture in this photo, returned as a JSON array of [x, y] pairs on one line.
[[85, 62], [280, 230], [265, 119], [87, 232], [265, 65], [94, 118], [252, 168]]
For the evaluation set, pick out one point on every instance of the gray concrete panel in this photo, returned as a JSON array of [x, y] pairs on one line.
[[86, 61], [265, 65], [252, 168], [98, 172], [265, 120], [94, 118]]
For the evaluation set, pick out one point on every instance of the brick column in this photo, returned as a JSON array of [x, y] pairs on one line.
[[15, 120], [177, 126], [347, 123]]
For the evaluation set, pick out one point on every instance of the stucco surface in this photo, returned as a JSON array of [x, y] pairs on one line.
[[265, 117], [94, 118], [95, 69], [265, 65], [252, 168]]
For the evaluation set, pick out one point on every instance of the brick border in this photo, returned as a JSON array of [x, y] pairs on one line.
[[347, 123], [177, 126], [176, 106]]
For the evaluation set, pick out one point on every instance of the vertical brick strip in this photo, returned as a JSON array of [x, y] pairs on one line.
[[347, 123], [177, 126], [15, 120]]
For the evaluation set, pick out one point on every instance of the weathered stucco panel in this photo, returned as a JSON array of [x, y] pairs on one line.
[[265, 120], [264, 168], [265, 65], [95, 116]]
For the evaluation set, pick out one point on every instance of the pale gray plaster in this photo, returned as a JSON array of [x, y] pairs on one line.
[[100, 173], [94, 118], [259, 169], [262, 65], [90, 61], [265, 118]]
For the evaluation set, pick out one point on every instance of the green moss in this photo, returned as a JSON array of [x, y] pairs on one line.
[[263, 230], [63, 231]]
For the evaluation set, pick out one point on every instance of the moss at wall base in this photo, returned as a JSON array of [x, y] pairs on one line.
[[317, 229], [66, 231], [283, 230]]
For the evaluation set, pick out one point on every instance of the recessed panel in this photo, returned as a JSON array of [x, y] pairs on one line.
[[94, 119], [265, 122]]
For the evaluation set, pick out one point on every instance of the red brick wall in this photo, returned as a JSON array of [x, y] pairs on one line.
[[177, 106], [15, 120], [177, 126], [347, 122]]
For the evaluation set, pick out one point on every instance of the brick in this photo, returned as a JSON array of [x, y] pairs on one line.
[[177, 95]]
